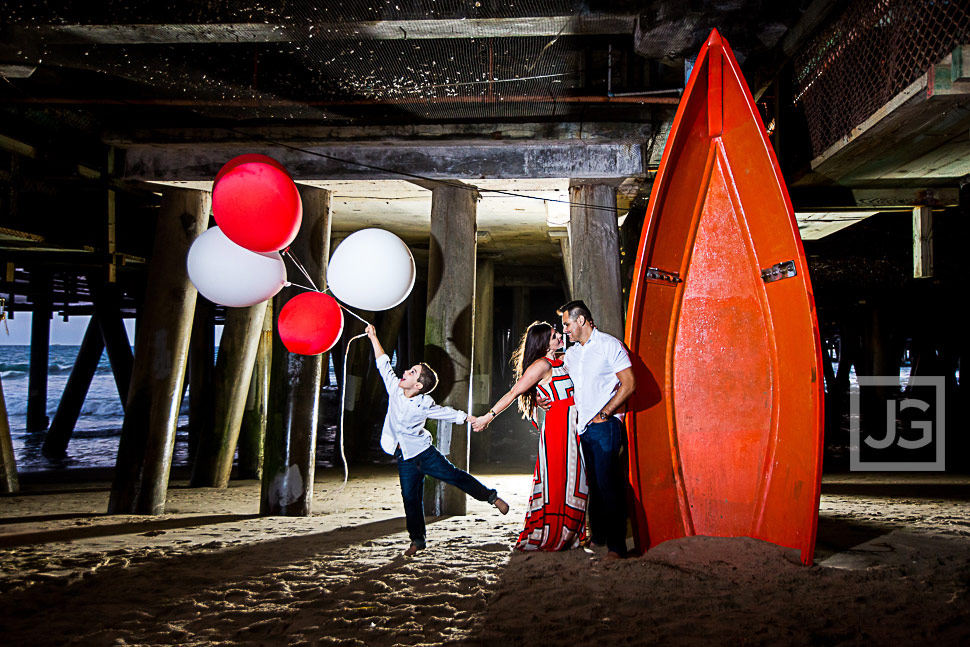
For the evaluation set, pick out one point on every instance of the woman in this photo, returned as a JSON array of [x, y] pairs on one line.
[[557, 507]]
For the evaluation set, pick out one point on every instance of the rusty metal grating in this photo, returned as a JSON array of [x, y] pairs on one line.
[[868, 55]]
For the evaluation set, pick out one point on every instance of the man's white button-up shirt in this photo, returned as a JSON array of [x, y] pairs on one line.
[[593, 367], [404, 423]]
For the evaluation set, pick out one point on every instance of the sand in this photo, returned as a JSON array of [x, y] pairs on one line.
[[892, 566]]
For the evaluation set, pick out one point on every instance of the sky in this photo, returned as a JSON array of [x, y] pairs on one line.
[[67, 333]]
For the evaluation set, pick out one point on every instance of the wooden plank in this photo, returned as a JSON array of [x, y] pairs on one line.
[[912, 131], [816, 225], [948, 160], [840, 198], [960, 64], [922, 242]]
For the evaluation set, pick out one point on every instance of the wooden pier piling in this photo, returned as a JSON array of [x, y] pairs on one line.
[[72, 400], [40, 340], [107, 305], [289, 459], [234, 369], [202, 358], [161, 350], [9, 482], [252, 433]]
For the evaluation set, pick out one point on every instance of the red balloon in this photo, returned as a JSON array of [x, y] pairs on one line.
[[249, 158], [256, 203], [310, 323]]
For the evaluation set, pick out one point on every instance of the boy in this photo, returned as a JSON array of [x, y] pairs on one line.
[[405, 437]]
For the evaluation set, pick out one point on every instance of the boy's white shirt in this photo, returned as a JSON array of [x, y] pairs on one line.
[[404, 423]]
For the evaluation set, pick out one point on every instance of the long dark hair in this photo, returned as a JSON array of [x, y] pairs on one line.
[[532, 346]]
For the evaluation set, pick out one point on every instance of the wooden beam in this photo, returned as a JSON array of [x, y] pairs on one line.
[[898, 140], [838, 198], [922, 242]]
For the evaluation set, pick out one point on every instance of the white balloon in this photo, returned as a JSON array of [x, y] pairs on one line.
[[225, 273], [371, 269]]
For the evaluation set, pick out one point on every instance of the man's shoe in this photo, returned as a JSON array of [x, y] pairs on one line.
[[502, 506]]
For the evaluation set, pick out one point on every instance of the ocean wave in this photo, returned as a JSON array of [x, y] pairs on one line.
[[102, 408], [22, 370]]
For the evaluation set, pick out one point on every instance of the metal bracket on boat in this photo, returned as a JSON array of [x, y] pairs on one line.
[[662, 275], [779, 271]]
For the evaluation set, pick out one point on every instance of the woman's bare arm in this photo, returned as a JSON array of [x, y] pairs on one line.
[[532, 376]]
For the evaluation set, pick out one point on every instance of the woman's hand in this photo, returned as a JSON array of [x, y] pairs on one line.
[[482, 421]]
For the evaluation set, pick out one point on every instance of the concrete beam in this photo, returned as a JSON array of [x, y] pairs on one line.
[[247, 33], [587, 131], [455, 160]]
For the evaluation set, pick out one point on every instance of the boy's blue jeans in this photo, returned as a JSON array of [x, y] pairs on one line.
[[432, 463], [605, 475]]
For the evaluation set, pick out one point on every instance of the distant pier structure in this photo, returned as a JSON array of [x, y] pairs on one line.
[[513, 153]]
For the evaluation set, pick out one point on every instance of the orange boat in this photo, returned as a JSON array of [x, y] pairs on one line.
[[725, 427]]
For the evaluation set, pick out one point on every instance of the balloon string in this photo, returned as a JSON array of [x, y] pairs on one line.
[[343, 411], [297, 285], [300, 267], [351, 312]]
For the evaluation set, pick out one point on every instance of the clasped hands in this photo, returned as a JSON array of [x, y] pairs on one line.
[[479, 423]]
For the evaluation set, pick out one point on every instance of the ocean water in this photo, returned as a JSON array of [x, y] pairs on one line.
[[94, 442], [95, 439]]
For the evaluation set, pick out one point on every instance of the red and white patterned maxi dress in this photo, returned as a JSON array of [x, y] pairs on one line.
[[556, 516]]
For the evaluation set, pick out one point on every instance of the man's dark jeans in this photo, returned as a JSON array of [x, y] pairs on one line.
[[432, 463], [601, 444]]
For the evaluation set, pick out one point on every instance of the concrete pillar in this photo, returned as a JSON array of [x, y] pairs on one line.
[[234, 368], [8, 465], [40, 339], [75, 391], [161, 353], [253, 432], [482, 366], [562, 235], [359, 360], [417, 318], [521, 313], [289, 459], [449, 328], [595, 250]]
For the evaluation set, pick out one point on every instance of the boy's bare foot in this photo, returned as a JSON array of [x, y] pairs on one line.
[[412, 549], [502, 506], [611, 556]]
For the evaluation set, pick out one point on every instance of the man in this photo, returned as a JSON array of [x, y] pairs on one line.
[[602, 375]]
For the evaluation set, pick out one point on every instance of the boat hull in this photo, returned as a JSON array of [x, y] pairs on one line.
[[725, 428]]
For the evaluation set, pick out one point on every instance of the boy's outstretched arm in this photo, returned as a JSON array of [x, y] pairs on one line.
[[388, 376], [372, 336]]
